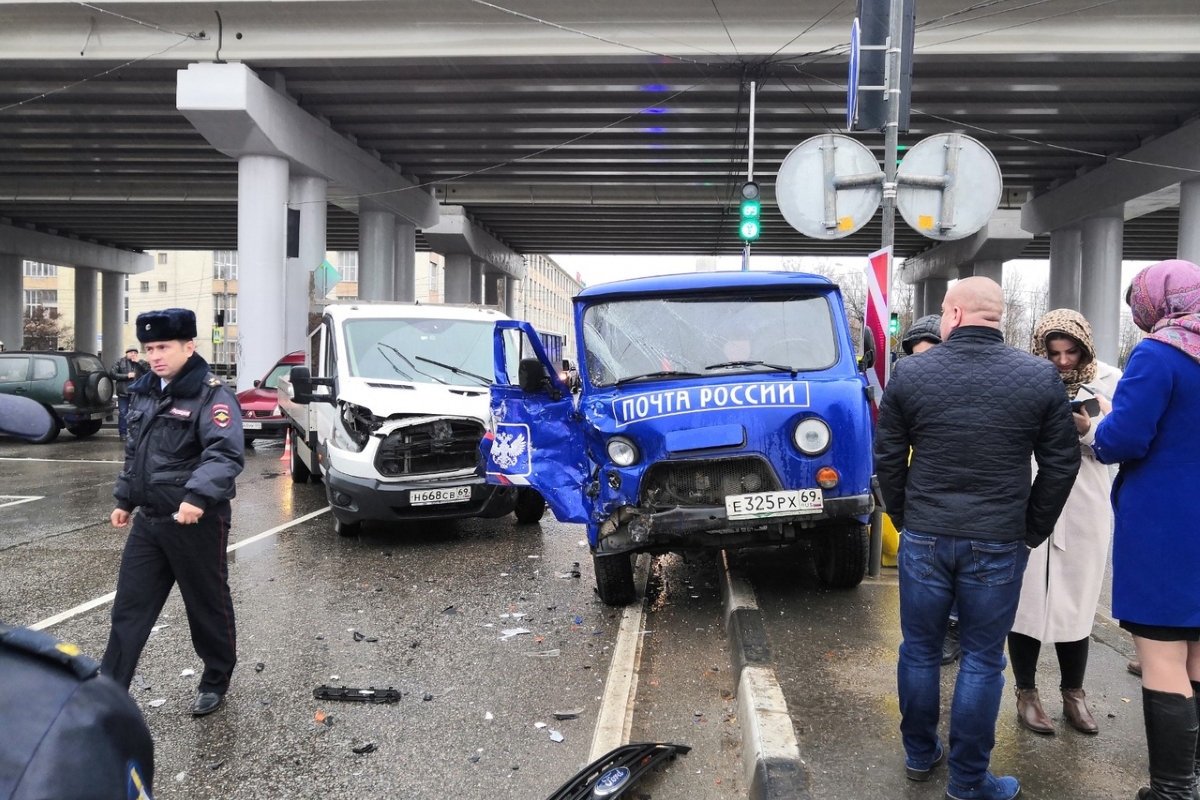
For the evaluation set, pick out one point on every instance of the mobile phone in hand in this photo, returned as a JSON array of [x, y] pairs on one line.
[[1090, 406]]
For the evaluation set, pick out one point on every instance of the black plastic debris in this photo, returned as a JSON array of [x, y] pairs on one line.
[[369, 747], [348, 694], [427, 697], [569, 714], [451, 610], [216, 764], [473, 758], [259, 667], [617, 770], [358, 637], [371, 639]]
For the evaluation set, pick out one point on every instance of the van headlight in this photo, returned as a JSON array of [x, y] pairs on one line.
[[622, 451], [812, 436]]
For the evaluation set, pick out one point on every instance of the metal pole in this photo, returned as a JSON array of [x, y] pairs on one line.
[[891, 143], [749, 174]]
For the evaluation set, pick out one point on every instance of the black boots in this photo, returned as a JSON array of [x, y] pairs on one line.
[[1172, 728]]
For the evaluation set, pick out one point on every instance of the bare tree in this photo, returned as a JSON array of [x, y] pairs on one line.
[[45, 331], [852, 281], [1024, 305], [1130, 336]]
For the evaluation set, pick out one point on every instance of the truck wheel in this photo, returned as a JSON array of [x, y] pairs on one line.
[[86, 429], [347, 528], [842, 556], [530, 506], [299, 469], [614, 578]]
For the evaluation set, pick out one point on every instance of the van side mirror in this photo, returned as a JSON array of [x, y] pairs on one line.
[[867, 359], [257, 382], [302, 386], [532, 378]]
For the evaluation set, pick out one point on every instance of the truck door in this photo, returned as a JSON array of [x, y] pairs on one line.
[[536, 437]]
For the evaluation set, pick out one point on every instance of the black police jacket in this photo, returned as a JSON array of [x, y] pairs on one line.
[[185, 442], [66, 732], [972, 411]]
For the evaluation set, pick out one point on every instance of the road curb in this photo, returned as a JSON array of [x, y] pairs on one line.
[[772, 768]]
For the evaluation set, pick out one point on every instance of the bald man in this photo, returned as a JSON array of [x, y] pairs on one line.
[[973, 411]]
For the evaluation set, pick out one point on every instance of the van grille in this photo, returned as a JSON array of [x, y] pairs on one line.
[[705, 483], [442, 445]]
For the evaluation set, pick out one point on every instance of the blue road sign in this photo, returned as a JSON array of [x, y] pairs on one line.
[[852, 78]]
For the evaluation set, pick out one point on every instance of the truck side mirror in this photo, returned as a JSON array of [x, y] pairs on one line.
[[867, 359], [531, 376], [302, 385]]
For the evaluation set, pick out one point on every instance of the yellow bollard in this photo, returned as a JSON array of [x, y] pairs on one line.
[[891, 542]]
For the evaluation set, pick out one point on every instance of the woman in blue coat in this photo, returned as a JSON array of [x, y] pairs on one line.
[[1153, 431]]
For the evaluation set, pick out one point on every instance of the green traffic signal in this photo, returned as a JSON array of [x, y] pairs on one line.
[[749, 212], [894, 325]]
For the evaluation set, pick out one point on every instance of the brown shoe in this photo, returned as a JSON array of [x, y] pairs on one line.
[[1077, 713], [1030, 713]]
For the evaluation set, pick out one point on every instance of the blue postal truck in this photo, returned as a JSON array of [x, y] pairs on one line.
[[710, 410]]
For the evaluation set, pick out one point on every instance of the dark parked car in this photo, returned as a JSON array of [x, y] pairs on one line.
[[261, 417], [75, 387]]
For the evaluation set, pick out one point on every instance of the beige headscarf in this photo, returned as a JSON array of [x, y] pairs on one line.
[[1069, 323]]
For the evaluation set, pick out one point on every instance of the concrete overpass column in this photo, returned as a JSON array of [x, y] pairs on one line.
[[510, 298], [308, 195], [1065, 258], [376, 255], [406, 262], [1100, 283], [990, 269], [262, 259], [918, 291], [935, 293], [12, 302], [1189, 221], [112, 316], [85, 310], [491, 288], [476, 282], [458, 278]]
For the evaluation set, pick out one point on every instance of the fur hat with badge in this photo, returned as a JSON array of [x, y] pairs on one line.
[[166, 325]]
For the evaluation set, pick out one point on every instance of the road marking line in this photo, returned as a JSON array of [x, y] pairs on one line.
[[108, 598], [65, 460], [17, 499], [615, 720]]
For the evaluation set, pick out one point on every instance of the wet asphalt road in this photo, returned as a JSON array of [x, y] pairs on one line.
[[437, 600]]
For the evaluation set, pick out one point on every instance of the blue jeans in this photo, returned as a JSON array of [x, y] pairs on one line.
[[122, 414], [985, 578]]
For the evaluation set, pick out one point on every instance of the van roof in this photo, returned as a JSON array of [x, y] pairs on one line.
[[380, 310], [706, 281]]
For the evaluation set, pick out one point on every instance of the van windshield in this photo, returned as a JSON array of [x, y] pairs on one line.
[[447, 351], [685, 337]]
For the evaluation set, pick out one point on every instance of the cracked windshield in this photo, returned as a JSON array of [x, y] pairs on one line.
[[454, 352], [659, 338]]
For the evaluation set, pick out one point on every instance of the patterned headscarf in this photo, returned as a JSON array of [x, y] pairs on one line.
[[1071, 324], [1165, 301]]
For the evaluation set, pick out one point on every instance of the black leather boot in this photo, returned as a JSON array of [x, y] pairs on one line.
[[1172, 727], [1196, 761]]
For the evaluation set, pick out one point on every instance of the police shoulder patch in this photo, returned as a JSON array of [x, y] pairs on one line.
[[221, 415], [213, 380]]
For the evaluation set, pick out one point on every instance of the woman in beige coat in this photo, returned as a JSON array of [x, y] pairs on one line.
[[1063, 578]]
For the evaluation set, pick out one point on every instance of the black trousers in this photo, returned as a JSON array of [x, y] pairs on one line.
[[158, 554]]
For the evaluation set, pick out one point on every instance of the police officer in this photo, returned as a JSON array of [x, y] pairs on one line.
[[184, 452], [125, 371], [66, 731]]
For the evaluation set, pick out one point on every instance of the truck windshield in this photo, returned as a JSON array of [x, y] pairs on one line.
[[667, 338], [420, 350]]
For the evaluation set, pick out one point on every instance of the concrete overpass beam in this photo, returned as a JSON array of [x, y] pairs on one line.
[[455, 232], [262, 258], [1189, 221], [112, 317], [376, 256], [458, 278], [12, 302], [989, 268], [405, 279], [1100, 283], [62, 250], [85, 310], [1065, 260], [307, 195], [1000, 240]]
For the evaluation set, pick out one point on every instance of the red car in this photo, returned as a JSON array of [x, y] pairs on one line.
[[261, 417]]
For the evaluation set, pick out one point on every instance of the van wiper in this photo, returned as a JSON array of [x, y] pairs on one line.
[[666, 373], [455, 370], [406, 361], [778, 367], [392, 364]]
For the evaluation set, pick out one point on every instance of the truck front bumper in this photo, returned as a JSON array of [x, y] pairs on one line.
[[354, 499]]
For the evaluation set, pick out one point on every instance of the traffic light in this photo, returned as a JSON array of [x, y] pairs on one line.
[[749, 213], [894, 324]]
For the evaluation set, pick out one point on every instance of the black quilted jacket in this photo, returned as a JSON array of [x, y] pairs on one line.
[[973, 410]]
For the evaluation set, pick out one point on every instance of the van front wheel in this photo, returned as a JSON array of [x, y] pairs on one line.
[[614, 578], [842, 556]]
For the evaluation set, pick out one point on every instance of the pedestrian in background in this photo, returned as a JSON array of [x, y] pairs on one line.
[[185, 451], [1063, 579], [125, 371], [973, 411], [1153, 432]]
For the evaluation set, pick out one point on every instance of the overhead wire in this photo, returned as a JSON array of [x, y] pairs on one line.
[[196, 36]]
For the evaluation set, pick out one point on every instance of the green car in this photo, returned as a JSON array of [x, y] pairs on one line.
[[75, 387]]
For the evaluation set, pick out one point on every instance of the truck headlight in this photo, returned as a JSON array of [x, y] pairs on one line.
[[812, 436], [622, 451]]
